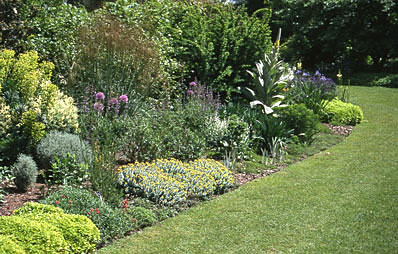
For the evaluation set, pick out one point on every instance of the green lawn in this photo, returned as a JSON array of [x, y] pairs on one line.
[[342, 200]]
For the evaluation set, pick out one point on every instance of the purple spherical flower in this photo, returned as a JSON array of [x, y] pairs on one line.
[[124, 98], [113, 101], [193, 83], [190, 92], [100, 96], [99, 107]]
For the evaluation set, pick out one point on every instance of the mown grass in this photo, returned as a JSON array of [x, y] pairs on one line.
[[342, 200]]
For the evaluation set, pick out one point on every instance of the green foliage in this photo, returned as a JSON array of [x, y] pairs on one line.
[[390, 80], [59, 144], [233, 142], [35, 237], [53, 28], [5, 117], [313, 91], [67, 171], [78, 231], [302, 120], [271, 136], [338, 33], [142, 216], [342, 113], [111, 222], [268, 82], [212, 41], [24, 171], [8, 245], [171, 182], [115, 58], [12, 23], [33, 102]]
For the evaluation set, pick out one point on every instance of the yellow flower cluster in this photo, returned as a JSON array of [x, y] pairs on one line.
[[172, 181]]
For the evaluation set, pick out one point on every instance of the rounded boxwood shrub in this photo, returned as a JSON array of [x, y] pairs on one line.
[[341, 113], [33, 236], [9, 245], [25, 172], [78, 231], [303, 121], [59, 144], [112, 222]]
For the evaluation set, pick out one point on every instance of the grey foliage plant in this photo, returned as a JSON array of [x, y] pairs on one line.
[[24, 172]]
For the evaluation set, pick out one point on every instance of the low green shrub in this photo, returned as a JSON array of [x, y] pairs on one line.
[[67, 171], [141, 216], [390, 80], [33, 236], [171, 182], [79, 232], [112, 222], [59, 144], [341, 113], [302, 120], [24, 172], [8, 245]]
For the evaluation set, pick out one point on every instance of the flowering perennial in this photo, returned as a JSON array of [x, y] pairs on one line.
[[171, 181]]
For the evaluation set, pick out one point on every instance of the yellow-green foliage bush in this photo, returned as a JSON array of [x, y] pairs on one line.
[[5, 117], [35, 104], [8, 245], [172, 181], [341, 113], [33, 236], [79, 232]]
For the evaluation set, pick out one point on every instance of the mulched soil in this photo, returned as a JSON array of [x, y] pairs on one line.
[[15, 200]]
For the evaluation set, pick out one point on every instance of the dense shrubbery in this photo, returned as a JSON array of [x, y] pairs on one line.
[[112, 222], [59, 144], [31, 104], [212, 41], [79, 232], [301, 120], [40, 228], [338, 34], [341, 113]]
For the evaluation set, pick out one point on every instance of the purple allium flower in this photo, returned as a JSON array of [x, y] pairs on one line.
[[124, 98], [190, 92], [193, 83], [100, 96], [99, 107], [113, 101]]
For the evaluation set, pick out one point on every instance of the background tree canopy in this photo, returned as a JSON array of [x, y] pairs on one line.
[[336, 34]]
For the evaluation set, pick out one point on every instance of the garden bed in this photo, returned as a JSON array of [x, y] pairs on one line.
[[14, 199]]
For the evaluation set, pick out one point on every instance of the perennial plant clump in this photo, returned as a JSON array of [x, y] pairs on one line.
[[170, 182]]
